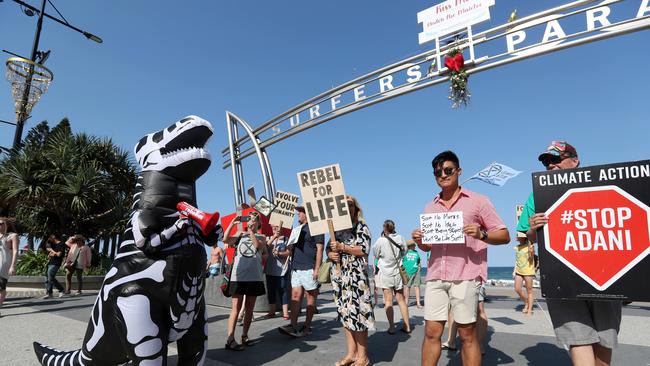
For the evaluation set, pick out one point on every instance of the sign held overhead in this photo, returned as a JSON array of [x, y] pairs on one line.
[[323, 195]]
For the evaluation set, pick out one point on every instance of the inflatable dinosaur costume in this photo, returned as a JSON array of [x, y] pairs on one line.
[[153, 293]]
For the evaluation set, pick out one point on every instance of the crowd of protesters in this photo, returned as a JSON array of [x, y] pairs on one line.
[[454, 287]]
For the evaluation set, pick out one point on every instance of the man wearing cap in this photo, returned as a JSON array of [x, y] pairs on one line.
[[306, 258], [455, 271], [588, 328]]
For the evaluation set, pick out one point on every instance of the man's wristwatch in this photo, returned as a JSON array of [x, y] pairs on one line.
[[484, 235]]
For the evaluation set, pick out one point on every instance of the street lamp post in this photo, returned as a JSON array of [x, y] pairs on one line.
[[29, 95]]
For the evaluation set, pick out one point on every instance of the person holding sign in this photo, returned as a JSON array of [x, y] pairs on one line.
[[455, 271], [589, 328], [306, 258], [389, 249], [246, 275], [277, 274], [352, 296]]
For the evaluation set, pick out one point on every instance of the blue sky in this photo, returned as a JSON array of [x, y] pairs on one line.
[[164, 60]]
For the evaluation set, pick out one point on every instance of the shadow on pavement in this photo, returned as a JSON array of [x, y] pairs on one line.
[[271, 345], [546, 354]]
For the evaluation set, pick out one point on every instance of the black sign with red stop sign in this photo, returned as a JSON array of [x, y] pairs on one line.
[[597, 241]]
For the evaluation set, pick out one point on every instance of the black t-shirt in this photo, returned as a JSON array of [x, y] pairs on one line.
[[58, 247], [304, 251]]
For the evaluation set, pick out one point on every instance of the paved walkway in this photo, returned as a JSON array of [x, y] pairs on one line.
[[514, 339]]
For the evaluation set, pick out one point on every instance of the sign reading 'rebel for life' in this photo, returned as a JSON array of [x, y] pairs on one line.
[[323, 196], [597, 240]]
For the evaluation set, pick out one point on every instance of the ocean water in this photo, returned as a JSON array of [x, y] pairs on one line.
[[494, 273]]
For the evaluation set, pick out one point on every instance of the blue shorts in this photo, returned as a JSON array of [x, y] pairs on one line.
[[304, 279]]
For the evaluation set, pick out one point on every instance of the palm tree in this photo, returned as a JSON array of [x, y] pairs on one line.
[[66, 183]]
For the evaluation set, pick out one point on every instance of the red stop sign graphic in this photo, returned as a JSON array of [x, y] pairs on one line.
[[598, 232]]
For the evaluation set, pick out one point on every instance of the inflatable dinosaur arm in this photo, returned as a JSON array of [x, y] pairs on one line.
[[153, 242]]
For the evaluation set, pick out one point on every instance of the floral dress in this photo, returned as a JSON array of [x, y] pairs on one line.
[[350, 283]]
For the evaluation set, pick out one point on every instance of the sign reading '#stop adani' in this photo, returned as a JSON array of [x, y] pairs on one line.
[[597, 239], [323, 196]]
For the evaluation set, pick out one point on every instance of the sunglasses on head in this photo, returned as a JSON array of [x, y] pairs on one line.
[[447, 171]]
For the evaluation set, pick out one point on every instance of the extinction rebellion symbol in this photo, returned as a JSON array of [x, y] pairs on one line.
[[598, 232], [492, 171]]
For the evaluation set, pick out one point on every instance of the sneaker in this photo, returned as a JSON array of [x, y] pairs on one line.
[[47, 296], [62, 294], [78, 293]]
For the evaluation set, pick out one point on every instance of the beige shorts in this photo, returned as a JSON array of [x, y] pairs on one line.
[[388, 282], [459, 296]]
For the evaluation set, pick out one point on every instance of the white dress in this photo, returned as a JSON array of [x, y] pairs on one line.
[[5, 255]]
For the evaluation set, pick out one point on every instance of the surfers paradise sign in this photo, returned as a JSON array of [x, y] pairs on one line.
[[569, 25]]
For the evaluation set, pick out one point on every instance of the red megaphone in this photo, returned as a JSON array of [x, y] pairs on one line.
[[207, 221]]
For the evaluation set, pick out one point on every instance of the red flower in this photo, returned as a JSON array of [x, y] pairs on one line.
[[455, 63]]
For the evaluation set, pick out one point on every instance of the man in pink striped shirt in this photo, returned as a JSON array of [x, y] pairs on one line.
[[455, 271]]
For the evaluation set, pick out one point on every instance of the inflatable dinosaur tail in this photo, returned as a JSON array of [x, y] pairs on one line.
[[53, 357]]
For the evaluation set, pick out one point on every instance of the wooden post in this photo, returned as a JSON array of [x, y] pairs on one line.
[[330, 226]]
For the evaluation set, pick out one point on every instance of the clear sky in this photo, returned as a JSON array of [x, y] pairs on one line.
[[163, 60]]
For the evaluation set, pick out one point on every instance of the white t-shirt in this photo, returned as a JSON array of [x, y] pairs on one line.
[[388, 255]]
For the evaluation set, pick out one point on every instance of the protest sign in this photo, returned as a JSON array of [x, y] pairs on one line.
[[264, 206], [519, 209], [323, 195], [285, 206], [442, 228], [597, 239]]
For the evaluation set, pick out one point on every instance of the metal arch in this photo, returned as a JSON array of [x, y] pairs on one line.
[[433, 77], [235, 161]]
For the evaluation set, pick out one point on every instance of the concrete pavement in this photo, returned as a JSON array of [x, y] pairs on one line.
[[513, 339]]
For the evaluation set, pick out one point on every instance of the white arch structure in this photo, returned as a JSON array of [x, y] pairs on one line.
[[601, 20]]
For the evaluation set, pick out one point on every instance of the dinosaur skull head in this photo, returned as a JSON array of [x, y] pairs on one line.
[[178, 150]]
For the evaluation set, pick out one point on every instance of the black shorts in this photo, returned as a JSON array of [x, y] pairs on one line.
[[250, 288], [3, 284]]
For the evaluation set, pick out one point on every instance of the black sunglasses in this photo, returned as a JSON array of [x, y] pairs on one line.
[[447, 171], [551, 159]]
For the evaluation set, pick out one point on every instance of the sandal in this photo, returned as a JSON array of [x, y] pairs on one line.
[[367, 363], [390, 331], [406, 330], [247, 342], [233, 346], [345, 362], [447, 347]]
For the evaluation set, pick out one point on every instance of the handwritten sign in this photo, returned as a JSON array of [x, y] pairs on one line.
[[442, 228], [323, 195], [285, 206]]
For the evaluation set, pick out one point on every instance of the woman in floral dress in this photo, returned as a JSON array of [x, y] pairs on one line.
[[350, 283]]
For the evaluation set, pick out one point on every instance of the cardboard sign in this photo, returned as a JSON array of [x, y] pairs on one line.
[[519, 209], [442, 228], [323, 196], [597, 240], [285, 208]]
